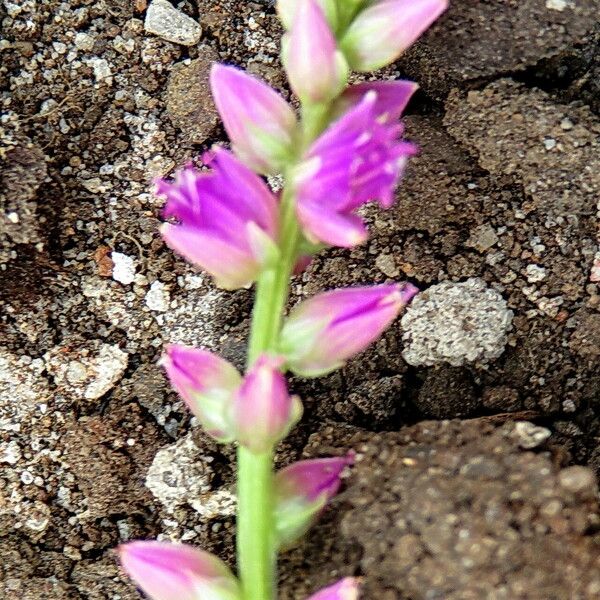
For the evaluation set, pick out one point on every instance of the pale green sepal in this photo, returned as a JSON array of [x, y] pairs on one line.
[[293, 520]]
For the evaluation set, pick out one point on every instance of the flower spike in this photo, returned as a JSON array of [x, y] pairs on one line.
[[263, 412], [259, 122], [356, 160], [227, 219], [207, 383], [345, 589], [301, 492], [323, 332], [316, 69], [385, 29], [178, 572]]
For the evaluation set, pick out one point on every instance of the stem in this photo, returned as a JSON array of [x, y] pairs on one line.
[[256, 546]]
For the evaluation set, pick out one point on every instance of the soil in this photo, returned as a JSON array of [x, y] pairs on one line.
[[96, 449]]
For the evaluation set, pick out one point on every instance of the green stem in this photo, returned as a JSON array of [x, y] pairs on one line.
[[256, 546]]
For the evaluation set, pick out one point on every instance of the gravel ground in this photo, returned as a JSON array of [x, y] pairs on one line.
[[498, 214]]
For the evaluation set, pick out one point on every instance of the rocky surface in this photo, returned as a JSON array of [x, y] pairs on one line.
[[455, 510], [94, 446]]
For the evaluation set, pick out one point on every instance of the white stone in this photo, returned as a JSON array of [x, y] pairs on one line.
[[84, 41], [559, 5], [10, 453], [123, 268], [157, 297], [535, 273], [165, 21], [456, 323]]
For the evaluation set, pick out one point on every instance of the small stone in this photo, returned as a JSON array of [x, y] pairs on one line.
[[530, 436], [10, 453], [387, 265], [549, 143], [482, 238], [189, 100], [535, 273], [456, 323], [84, 41], [157, 297], [559, 5], [566, 124], [578, 480], [123, 269], [168, 23]]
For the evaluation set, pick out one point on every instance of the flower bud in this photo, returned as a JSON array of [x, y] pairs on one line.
[[207, 383], [323, 332], [317, 71], [178, 572], [259, 122], [385, 29], [263, 412], [287, 10], [345, 589], [301, 491]]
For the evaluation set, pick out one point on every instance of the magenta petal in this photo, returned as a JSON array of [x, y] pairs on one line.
[[311, 480], [345, 589], [335, 229], [176, 571], [392, 96], [232, 267]]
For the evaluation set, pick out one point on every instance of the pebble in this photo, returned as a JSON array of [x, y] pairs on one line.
[[157, 297], [168, 23], [578, 480], [530, 436], [456, 323], [123, 269]]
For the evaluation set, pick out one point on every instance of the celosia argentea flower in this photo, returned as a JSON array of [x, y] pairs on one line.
[[259, 122], [356, 160], [227, 219], [178, 572], [301, 492], [323, 332], [207, 383], [263, 412]]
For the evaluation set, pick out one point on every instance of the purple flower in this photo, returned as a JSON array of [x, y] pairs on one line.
[[316, 69], [323, 332], [227, 219], [177, 572], [301, 492], [345, 589], [263, 412], [356, 160], [385, 29], [207, 383], [259, 122]]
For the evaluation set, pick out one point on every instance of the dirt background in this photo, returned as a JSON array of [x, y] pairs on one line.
[[503, 201]]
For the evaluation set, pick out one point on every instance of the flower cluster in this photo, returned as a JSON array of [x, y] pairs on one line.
[[346, 150]]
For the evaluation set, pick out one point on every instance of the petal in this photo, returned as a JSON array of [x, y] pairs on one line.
[[324, 225], [231, 266], [392, 96]]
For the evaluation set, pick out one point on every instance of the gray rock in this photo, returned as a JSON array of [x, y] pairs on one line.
[[529, 436], [456, 323], [165, 21]]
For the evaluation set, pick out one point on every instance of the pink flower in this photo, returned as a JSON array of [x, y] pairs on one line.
[[178, 572], [356, 160], [317, 71], [385, 29], [301, 492], [259, 122], [263, 412], [323, 332], [345, 589], [227, 219], [207, 383]]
